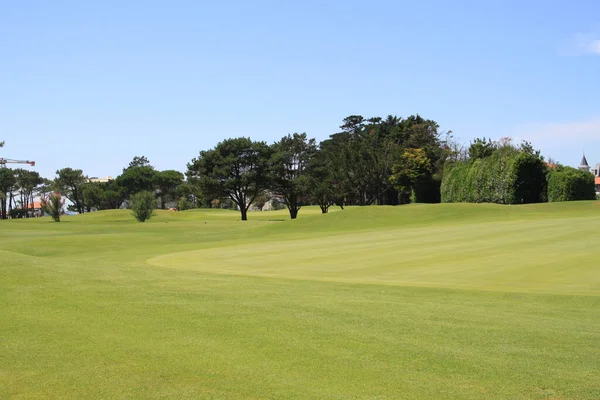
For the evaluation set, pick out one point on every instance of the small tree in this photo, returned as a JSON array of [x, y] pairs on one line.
[[143, 205], [53, 205], [410, 168]]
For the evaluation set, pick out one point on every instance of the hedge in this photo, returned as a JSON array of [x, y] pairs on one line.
[[508, 176], [567, 184]]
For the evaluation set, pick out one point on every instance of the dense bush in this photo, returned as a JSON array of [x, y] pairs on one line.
[[53, 205], [142, 205], [507, 176], [567, 184]]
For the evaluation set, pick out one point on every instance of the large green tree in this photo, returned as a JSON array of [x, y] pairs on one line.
[[363, 154], [362, 158], [167, 184], [70, 182], [137, 179], [237, 169], [323, 188], [290, 161], [411, 167], [26, 183], [7, 185]]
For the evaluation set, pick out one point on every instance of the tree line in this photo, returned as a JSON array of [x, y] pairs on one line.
[[384, 161]]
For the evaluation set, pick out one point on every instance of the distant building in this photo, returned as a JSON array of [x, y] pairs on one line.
[[35, 209], [596, 172], [583, 166], [96, 179]]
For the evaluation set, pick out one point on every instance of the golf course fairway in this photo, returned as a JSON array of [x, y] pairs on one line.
[[441, 301]]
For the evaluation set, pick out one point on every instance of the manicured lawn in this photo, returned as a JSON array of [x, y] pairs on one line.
[[414, 302]]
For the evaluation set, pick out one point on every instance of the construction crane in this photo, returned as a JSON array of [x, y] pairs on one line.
[[4, 161]]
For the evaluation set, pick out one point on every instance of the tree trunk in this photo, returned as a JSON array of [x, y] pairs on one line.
[[244, 212], [292, 205], [10, 204], [324, 208]]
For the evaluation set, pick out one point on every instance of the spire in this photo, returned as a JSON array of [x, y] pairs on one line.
[[583, 165]]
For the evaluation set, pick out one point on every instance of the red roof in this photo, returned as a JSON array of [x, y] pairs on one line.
[[34, 205], [597, 180]]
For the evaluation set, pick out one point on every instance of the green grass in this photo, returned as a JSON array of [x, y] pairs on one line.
[[415, 302]]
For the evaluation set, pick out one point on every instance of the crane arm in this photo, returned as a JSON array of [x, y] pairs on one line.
[[4, 161]]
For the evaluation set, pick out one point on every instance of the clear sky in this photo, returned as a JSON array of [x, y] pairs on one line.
[[91, 84]]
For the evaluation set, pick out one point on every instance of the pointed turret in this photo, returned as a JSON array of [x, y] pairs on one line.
[[583, 165]]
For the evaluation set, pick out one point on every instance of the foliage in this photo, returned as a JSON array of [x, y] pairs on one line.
[[277, 205], [568, 184], [363, 154], [184, 204], [93, 195], [70, 182], [192, 192], [481, 148], [413, 166], [289, 167], [166, 184], [142, 205], [137, 178], [324, 189], [26, 183], [262, 199], [53, 205], [8, 181], [138, 162], [237, 169], [510, 175]]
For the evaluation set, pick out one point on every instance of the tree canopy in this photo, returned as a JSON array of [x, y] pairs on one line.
[[237, 169]]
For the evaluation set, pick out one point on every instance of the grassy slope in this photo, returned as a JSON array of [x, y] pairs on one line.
[[461, 301]]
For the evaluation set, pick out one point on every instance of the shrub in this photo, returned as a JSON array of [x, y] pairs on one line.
[[142, 205], [507, 176], [277, 205], [53, 205], [568, 184], [184, 204]]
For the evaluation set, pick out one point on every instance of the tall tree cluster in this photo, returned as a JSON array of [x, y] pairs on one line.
[[374, 160]]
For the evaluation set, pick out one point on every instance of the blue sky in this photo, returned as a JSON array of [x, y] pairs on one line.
[[92, 84]]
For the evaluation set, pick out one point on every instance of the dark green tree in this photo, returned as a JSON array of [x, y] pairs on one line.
[[481, 148], [139, 162], [7, 186], [26, 183], [323, 188], [362, 157], [237, 169], [410, 168], [136, 179], [69, 182], [290, 161], [191, 191], [93, 195], [142, 205], [166, 184]]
